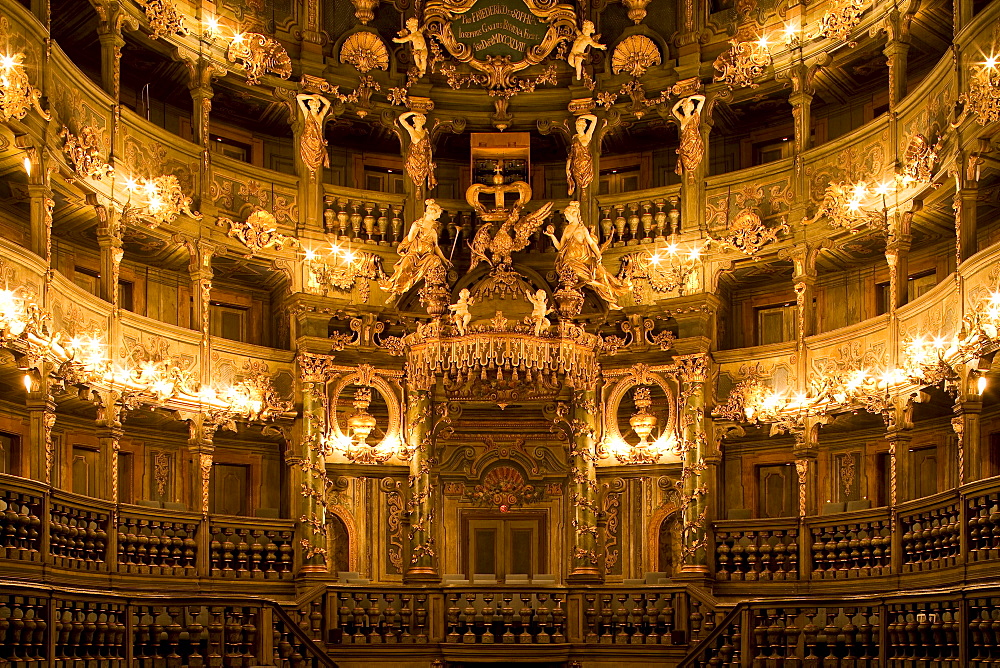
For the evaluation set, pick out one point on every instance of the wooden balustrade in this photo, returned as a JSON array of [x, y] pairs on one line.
[[78, 533], [770, 552], [930, 536], [923, 634], [507, 616], [364, 217], [638, 220], [983, 526], [20, 524], [851, 546], [247, 549], [636, 617], [157, 545], [381, 617]]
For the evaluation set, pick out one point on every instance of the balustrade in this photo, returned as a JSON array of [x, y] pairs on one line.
[[851, 548], [923, 634], [20, 525], [157, 546], [631, 219], [930, 537], [636, 618], [381, 617], [250, 550], [364, 217], [983, 526], [89, 633], [756, 554], [23, 630], [78, 535]]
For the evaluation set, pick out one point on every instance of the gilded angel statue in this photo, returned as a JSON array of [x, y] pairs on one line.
[[460, 311], [579, 256], [539, 309], [419, 252]]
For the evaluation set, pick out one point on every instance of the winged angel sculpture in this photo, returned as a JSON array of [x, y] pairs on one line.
[[502, 244]]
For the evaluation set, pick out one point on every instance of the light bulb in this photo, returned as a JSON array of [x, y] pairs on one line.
[[981, 383]]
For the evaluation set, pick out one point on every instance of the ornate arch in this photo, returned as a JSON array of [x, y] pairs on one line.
[[656, 520], [352, 535], [638, 375], [365, 375]]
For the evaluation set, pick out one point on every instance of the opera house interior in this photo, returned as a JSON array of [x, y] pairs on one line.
[[556, 333]]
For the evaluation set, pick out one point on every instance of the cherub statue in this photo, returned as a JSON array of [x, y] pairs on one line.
[[413, 35], [460, 311], [585, 38], [579, 162], [419, 252], [419, 160], [539, 309], [687, 111], [579, 257]]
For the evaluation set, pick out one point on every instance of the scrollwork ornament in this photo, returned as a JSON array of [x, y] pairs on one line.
[[748, 234], [83, 151], [838, 22], [743, 63], [259, 54], [258, 231], [17, 94], [164, 18]]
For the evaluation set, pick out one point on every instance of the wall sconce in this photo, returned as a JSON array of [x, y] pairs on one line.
[[17, 94], [983, 98]]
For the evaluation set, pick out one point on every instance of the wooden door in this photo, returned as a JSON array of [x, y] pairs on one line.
[[504, 546]]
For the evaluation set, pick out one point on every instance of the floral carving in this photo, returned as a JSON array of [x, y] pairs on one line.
[[742, 63], [258, 232]]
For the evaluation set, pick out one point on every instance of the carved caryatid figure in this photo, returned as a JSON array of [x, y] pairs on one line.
[[312, 144], [687, 111], [413, 35], [579, 256], [419, 161], [579, 162], [585, 39], [419, 252]]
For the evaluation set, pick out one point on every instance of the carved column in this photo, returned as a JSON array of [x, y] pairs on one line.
[[965, 204], [109, 435], [972, 458], [109, 33], [201, 446], [200, 87], [201, 273], [693, 183], [897, 253], [310, 110], [40, 456], [109, 241], [41, 203], [896, 50], [692, 374], [309, 481], [420, 441], [585, 559]]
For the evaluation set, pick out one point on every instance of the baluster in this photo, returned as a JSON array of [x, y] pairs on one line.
[[508, 618], [525, 637], [194, 631], [542, 617], [469, 617], [647, 223], [558, 619], [453, 612]]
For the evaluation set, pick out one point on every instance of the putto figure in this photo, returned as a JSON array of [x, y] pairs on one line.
[[412, 35], [419, 253], [419, 161], [539, 309], [579, 257], [585, 39], [579, 162], [460, 311]]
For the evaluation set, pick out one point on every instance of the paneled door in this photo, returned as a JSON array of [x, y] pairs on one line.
[[504, 544]]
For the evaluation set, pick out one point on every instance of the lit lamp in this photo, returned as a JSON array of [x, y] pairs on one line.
[[362, 423]]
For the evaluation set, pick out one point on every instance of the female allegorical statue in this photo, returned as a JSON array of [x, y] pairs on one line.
[[419, 252], [687, 111], [579, 162], [312, 144], [579, 256], [419, 161]]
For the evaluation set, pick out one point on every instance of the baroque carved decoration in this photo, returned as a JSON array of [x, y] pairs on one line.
[[258, 55], [164, 18], [920, 158], [17, 94], [365, 51], [504, 487], [257, 232], [748, 234], [83, 151], [838, 22], [634, 55], [743, 63]]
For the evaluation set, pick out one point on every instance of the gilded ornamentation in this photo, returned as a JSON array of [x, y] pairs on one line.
[[636, 9], [364, 10], [838, 22], [849, 206], [982, 99], [17, 94], [413, 35], [687, 111], [504, 487], [257, 232], [312, 143], [48, 422], [579, 259], [742, 63], [585, 39], [365, 51], [419, 253], [259, 54], [315, 368], [160, 200], [419, 159], [846, 466], [748, 234], [84, 152], [802, 469], [496, 248], [396, 509], [161, 473], [634, 55], [580, 162], [665, 272], [919, 159], [344, 271], [164, 18]]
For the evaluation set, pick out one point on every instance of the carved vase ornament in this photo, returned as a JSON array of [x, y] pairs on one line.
[[312, 143], [580, 163], [692, 149], [419, 161]]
